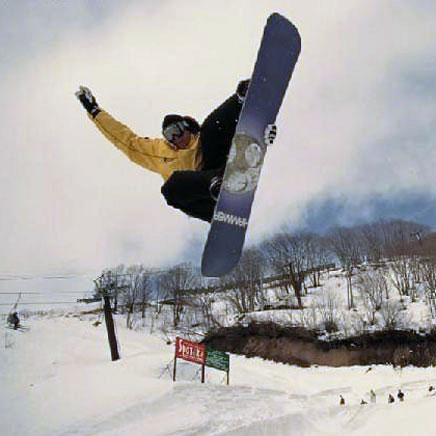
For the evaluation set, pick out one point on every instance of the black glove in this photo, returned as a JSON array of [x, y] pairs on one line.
[[241, 90], [88, 100]]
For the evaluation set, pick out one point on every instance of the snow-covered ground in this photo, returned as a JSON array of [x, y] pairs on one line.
[[58, 379]]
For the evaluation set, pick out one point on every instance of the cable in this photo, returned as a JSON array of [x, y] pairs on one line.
[[53, 302], [43, 293], [29, 277]]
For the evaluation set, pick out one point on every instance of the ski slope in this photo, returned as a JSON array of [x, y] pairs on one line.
[[57, 379]]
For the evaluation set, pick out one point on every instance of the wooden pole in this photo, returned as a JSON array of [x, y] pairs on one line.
[[202, 373], [175, 358], [110, 328], [174, 371]]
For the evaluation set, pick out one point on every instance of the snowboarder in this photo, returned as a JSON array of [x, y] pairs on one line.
[[13, 320], [391, 399], [190, 158], [373, 397], [342, 400]]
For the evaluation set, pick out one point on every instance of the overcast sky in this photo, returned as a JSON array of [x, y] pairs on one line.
[[358, 120]]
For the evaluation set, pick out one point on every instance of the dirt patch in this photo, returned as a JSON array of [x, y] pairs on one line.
[[303, 347]]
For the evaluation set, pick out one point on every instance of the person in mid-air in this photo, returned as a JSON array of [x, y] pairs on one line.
[[190, 158]]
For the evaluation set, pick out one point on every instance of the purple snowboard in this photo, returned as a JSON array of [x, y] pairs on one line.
[[276, 59]]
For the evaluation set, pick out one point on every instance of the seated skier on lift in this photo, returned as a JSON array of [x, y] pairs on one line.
[[190, 158], [13, 320]]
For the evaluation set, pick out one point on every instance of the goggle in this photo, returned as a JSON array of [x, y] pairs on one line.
[[174, 129]]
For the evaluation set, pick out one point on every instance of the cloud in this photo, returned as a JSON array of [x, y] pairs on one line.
[[361, 117], [356, 120]]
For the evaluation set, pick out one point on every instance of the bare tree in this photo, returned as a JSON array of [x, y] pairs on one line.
[[318, 256], [415, 265], [372, 241], [350, 296], [429, 278], [209, 318], [402, 275], [246, 282], [290, 255], [161, 292], [392, 315], [373, 288], [346, 244], [118, 282], [327, 304], [398, 236], [177, 281], [385, 238], [137, 292]]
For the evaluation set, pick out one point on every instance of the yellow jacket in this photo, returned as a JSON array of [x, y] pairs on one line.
[[157, 155]]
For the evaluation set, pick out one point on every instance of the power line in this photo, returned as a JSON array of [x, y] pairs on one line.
[[50, 302], [60, 276], [4, 276], [43, 293]]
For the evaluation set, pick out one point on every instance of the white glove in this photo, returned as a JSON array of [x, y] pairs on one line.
[[270, 134]]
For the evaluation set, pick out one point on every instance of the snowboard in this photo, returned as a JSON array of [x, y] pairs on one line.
[[276, 59]]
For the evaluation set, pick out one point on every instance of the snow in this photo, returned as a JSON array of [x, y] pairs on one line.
[[58, 379]]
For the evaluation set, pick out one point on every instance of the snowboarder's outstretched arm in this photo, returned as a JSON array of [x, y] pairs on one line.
[[149, 153]]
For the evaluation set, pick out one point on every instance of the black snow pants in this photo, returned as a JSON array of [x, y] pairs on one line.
[[189, 190]]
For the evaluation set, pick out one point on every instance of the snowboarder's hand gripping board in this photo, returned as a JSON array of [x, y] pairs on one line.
[[276, 59]]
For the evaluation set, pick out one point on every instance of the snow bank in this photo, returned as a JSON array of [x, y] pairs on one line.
[[57, 379]]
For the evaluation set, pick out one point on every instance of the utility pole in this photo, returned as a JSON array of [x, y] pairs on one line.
[[110, 327]]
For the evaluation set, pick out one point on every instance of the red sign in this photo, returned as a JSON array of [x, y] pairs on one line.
[[190, 351]]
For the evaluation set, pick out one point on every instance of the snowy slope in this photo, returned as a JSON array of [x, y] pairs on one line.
[[58, 379]]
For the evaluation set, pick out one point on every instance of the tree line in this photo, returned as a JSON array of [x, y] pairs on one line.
[[292, 262]]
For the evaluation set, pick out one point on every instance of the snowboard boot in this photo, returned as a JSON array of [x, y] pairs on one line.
[[215, 187]]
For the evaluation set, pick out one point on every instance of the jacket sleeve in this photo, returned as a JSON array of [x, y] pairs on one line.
[[217, 132], [143, 151]]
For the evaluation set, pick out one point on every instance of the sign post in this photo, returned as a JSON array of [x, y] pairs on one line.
[[218, 360], [175, 363], [197, 353], [190, 351]]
